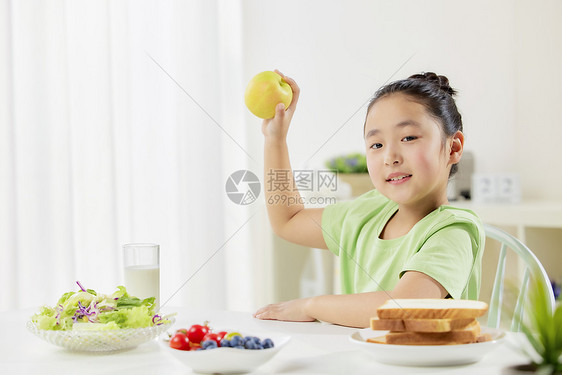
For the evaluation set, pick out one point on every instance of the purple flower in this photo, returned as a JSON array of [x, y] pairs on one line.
[[351, 162]]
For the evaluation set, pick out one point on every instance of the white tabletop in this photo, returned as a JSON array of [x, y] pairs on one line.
[[315, 348]]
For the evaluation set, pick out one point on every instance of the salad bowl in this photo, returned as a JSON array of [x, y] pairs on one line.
[[89, 321], [102, 340]]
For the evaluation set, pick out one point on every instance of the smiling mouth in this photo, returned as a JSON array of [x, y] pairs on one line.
[[399, 178]]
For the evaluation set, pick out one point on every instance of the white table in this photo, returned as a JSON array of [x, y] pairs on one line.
[[315, 348]]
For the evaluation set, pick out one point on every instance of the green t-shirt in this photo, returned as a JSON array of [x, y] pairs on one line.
[[447, 245]]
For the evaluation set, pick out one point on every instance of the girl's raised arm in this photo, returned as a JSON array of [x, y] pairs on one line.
[[288, 216]]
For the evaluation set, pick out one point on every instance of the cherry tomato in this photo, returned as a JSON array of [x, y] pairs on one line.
[[221, 334], [194, 346], [214, 337], [180, 341], [197, 332], [182, 330]]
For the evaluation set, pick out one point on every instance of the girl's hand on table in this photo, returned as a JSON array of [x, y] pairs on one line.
[[293, 311]]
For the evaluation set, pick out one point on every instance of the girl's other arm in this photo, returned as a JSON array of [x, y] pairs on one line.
[[287, 215], [353, 310]]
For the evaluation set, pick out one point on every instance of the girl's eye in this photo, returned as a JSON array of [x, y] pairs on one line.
[[376, 146], [409, 138]]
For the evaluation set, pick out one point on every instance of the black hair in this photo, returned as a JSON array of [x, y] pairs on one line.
[[434, 93]]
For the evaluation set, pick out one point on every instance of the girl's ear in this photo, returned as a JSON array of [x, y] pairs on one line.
[[456, 147]]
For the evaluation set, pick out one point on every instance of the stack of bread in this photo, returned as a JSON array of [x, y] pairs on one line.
[[429, 322]]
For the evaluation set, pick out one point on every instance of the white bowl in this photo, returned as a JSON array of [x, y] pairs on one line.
[[226, 360], [426, 355]]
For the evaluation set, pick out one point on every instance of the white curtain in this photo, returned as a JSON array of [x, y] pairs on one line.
[[113, 131]]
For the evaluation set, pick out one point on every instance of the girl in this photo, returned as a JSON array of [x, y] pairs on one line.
[[401, 240]]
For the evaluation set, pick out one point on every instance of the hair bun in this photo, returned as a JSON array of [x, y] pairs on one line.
[[441, 81]]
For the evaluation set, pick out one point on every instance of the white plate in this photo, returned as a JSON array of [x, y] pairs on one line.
[[426, 355], [100, 341], [227, 360]]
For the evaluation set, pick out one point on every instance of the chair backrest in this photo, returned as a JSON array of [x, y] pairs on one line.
[[533, 268]]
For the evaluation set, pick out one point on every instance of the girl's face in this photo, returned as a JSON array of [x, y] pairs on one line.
[[407, 159]]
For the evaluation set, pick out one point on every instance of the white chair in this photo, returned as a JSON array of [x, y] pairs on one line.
[[533, 268]]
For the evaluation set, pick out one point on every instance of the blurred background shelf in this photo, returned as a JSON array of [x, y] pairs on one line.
[[524, 215]]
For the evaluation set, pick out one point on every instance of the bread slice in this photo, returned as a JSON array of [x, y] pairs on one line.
[[483, 337], [420, 325], [429, 308], [467, 335], [377, 340]]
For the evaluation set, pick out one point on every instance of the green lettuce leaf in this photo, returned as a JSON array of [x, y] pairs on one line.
[[135, 317], [118, 310]]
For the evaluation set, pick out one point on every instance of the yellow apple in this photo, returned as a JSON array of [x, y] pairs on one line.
[[264, 92]]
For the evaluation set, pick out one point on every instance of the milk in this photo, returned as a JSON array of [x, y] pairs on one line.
[[143, 282]]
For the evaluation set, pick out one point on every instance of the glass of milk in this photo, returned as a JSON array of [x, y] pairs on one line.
[[141, 263]]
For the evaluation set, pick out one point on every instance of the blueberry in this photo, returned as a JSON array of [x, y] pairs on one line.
[[239, 347], [236, 341], [208, 344], [267, 343], [225, 343], [256, 341], [250, 344]]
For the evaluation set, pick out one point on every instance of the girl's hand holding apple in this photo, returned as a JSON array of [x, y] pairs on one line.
[[278, 126]]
